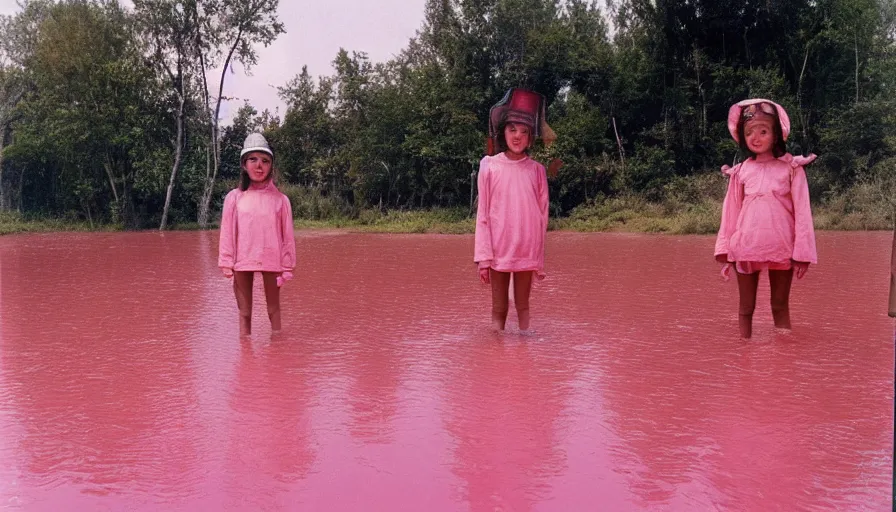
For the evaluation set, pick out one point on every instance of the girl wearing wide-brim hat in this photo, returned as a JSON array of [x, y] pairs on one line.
[[766, 216]]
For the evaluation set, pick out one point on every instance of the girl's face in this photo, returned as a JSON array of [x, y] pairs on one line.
[[760, 136], [257, 165], [518, 137]]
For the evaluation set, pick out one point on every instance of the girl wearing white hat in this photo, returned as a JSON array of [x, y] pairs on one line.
[[257, 233]]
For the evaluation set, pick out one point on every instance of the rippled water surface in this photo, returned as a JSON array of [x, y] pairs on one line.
[[124, 384]]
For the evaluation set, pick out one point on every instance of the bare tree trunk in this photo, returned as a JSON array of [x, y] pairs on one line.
[[856, 42], [705, 117], [203, 215], [472, 189], [178, 151], [724, 48], [206, 200], [697, 68], [19, 194], [802, 113], [208, 149], [619, 143], [89, 216], [804, 121], [210, 161], [108, 166], [389, 182], [211, 171], [216, 147]]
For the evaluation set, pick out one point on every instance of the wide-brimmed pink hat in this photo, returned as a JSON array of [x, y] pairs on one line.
[[746, 109]]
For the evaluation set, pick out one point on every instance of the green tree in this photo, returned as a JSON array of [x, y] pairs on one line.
[[306, 135], [16, 48], [230, 31], [92, 107], [169, 28]]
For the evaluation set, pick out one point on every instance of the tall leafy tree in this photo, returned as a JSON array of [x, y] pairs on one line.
[[169, 28], [91, 106], [16, 48], [230, 29]]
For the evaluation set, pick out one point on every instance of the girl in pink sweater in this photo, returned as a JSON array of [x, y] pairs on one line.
[[512, 216], [257, 233], [766, 217]]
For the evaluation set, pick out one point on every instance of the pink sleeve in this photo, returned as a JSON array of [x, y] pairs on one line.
[[287, 236], [734, 199], [227, 237], [804, 242], [482, 252], [543, 195]]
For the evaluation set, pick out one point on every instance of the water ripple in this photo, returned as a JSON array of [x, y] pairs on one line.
[[126, 386]]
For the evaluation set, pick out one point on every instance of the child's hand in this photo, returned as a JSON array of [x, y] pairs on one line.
[[726, 271], [801, 268], [283, 278], [483, 275], [228, 272]]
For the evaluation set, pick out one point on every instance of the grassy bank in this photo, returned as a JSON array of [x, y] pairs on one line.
[[689, 209], [691, 205], [15, 223]]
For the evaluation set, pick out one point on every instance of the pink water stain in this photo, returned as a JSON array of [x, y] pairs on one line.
[[124, 383]]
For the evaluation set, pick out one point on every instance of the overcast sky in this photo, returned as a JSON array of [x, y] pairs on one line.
[[315, 30]]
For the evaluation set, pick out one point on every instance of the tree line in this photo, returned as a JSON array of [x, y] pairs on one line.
[[107, 115]]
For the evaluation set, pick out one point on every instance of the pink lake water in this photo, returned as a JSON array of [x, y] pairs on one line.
[[124, 384]]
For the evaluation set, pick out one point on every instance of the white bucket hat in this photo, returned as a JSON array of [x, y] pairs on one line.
[[256, 142]]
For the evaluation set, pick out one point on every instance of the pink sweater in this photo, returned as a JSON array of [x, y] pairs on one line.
[[512, 218], [766, 216], [257, 231]]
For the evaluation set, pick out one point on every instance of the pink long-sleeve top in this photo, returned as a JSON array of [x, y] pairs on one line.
[[766, 216], [512, 217], [257, 232]]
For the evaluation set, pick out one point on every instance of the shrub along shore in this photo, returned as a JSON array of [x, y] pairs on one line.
[[692, 208]]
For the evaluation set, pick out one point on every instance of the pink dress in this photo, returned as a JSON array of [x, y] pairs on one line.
[[257, 231], [512, 217], [766, 216]]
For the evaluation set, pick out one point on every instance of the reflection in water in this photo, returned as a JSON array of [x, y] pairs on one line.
[[124, 383], [373, 359], [269, 440], [709, 421], [506, 401], [94, 379], [795, 432]]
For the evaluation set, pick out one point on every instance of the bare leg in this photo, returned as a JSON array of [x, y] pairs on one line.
[[242, 288], [272, 297], [779, 282], [500, 286], [522, 287], [747, 284]]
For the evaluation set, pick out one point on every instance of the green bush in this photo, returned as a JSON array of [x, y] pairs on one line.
[[311, 204]]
